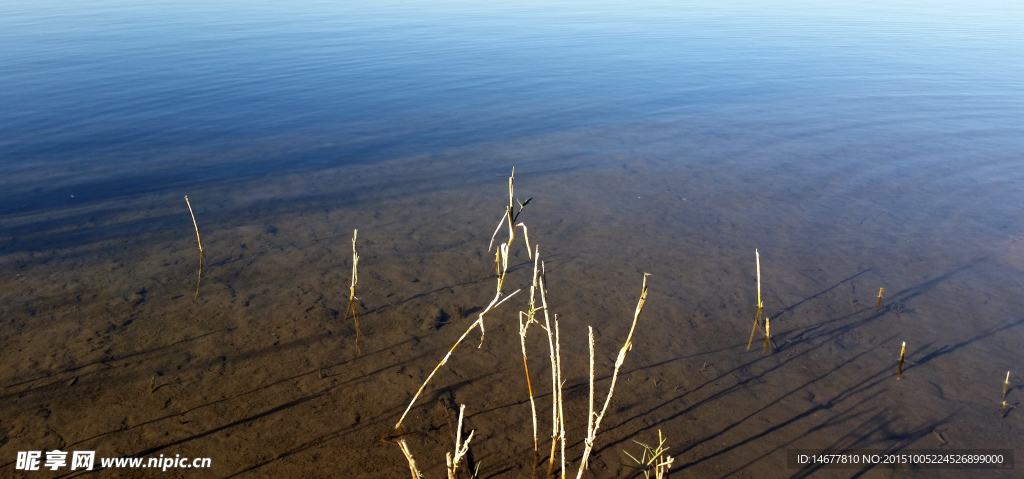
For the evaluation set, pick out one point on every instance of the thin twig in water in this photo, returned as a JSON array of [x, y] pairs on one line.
[[201, 254], [479, 322]]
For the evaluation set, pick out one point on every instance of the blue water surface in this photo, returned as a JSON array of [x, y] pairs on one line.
[[97, 92]]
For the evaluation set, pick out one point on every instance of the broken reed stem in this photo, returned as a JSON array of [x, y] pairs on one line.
[[201, 254], [880, 298], [561, 411], [555, 390], [757, 316], [479, 322], [408, 457], [533, 407], [757, 256], [1006, 384], [497, 260], [460, 447], [592, 432], [352, 292], [523, 327], [899, 369], [590, 413], [767, 334], [501, 255], [661, 468], [754, 329]]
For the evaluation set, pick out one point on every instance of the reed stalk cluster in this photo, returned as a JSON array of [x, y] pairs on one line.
[[552, 330]]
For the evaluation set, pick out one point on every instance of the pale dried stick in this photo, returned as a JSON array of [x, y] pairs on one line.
[[533, 407], [1006, 385], [352, 292], [757, 316], [460, 447], [767, 334], [408, 457], [501, 281], [511, 220], [757, 256], [479, 322], [592, 432], [503, 249], [561, 411], [555, 390], [523, 327], [201, 253], [899, 370], [590, 414], [526, 237], [500, 222]]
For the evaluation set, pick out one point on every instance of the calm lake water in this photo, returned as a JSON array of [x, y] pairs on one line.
[[174, 93], [857, 146]]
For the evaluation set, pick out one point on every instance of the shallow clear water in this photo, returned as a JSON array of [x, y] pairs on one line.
[[856, 146]]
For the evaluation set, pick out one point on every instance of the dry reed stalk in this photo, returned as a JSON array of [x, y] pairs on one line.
[[590, 410], [767, 335], [555, 389], [661, 468], [352, 292], [880, 298], [757, 257], [561, 411], [757, 316], [523, 327], [1006, 384], [460, 447], [533, 406], [899, 369], [408, 457], [479, 322], [202, 255], [592, 431]]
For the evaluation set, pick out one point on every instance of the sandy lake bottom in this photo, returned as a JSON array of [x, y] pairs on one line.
[[104, 349]]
